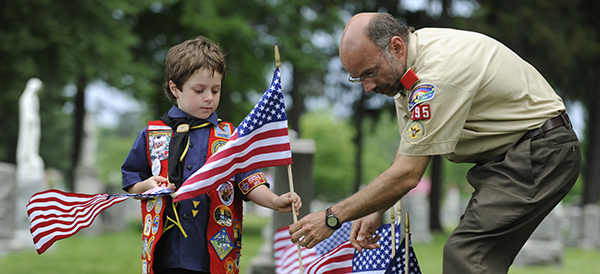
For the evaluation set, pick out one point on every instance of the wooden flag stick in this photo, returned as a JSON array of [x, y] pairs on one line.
[[290, 178], [407, 242], [393, 230]]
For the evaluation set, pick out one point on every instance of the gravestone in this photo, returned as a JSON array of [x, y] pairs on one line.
[[86, 171], [452, 208], [7, 200], [302, 156], [590, 237], [545, 246], [7, 206], [575, 225], [416, 203], [30, 166]]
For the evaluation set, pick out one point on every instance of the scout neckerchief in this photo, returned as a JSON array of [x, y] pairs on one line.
[[179, 144]]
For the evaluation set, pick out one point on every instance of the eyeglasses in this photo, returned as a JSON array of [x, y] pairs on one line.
[[358, 80]]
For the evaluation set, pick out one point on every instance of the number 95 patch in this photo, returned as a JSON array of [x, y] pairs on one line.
[[421, 112]]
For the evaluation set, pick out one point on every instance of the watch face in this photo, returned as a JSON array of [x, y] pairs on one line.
[[332, 221]]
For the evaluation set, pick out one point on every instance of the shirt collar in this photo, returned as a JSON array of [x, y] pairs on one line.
[[177, 112]]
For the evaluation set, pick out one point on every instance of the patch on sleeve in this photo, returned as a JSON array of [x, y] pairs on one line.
[[421, 93], [415, 131], [251, 182], [421, 112]]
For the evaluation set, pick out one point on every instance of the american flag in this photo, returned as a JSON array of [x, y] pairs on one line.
[[398, 266], [334, 255], [55, 214], [261, 140]]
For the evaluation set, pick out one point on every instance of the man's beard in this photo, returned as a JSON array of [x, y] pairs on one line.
[[397, 70]]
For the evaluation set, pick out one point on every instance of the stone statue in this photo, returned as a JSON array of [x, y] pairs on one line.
[[28, 157], [30, 166]]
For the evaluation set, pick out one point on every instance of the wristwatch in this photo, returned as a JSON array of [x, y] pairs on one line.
[[331, 220]]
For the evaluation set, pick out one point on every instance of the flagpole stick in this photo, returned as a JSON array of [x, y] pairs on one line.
[[393, 230], [407, 240], [290, 178]]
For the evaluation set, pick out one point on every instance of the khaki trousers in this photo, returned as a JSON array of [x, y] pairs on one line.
[[513, 194]]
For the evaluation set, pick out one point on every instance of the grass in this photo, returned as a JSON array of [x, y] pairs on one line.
[[575, 260], [120, 253], [109, 253]]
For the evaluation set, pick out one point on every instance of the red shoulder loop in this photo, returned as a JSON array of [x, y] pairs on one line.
[[409, 79]]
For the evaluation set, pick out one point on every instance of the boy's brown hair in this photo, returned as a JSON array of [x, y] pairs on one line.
[[185, 59]]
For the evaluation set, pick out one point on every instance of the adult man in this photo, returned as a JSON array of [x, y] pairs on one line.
[[468, 98]]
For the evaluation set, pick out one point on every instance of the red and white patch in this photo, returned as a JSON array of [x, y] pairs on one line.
[[421, 112]]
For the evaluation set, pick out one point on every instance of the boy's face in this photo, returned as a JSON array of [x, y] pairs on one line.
[[200, 94]]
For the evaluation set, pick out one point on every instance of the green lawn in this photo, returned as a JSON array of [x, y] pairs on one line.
[[119, 253]]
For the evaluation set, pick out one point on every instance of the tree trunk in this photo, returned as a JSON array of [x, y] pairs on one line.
[[359, 117], [591, 172], [297, 108], [435, 194], [79, 118]]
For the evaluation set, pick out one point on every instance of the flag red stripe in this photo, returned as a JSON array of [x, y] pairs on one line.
[[267, 148], [238, 145], [206, 188], [56, 215], [59, 224], [338, 260], [220, 169], [234, 148]]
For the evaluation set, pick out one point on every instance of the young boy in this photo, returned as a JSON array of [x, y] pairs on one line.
[[202, 234]]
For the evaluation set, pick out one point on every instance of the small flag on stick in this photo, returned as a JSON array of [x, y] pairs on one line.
[[55, 214], [261, 140]]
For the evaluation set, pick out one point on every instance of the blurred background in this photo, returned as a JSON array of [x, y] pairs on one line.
[[102, 62]]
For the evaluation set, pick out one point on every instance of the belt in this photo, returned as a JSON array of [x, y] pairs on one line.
[[560, 120]]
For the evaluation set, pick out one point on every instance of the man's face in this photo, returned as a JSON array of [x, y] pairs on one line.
[[389, 80], [364, 61]]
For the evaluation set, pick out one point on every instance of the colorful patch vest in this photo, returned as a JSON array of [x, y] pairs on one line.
[[224, 229]]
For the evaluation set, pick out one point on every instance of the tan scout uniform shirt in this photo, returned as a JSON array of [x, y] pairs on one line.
[[485, 97]]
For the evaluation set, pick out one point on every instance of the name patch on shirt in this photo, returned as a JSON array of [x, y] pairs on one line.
[[421, 93]]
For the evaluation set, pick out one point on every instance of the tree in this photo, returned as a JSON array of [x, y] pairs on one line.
[[247, 31], [63, 43]]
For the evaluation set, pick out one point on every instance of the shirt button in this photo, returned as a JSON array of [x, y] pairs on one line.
[[191, 145], [184, 216], [189, 167]]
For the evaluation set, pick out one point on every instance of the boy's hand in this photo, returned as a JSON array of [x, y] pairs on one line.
[[284, 202], [151, 183]]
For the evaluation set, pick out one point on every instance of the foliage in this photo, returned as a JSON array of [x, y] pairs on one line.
[[61, 43], [247, 31], [381, 143], [332, 166], [111, 155]]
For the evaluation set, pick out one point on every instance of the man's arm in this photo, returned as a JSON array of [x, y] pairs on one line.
[[404, 174]]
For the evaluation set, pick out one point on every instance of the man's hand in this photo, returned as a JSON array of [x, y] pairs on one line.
[[310, 230], [361, 234]]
